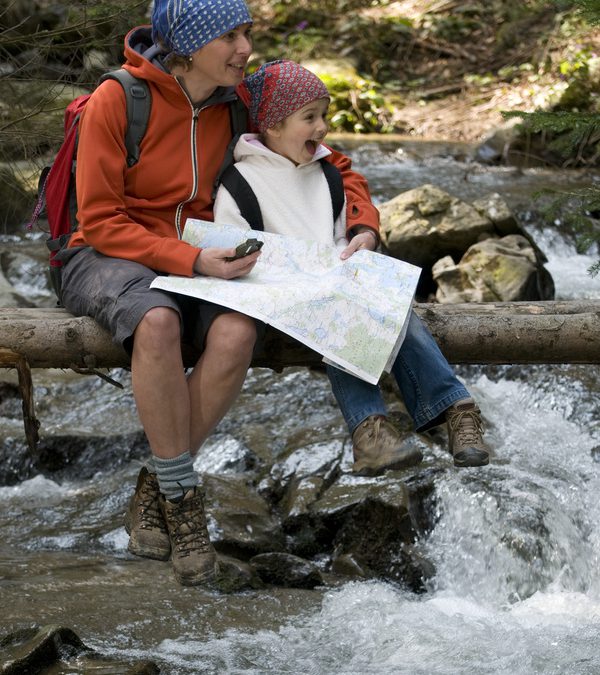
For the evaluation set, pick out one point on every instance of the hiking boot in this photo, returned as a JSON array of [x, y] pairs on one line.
[[193, 556], [465, 434], [378, 446], [144, 521]]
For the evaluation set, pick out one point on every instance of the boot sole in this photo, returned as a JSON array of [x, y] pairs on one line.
[[152, 553], [411, 460], [471, 461], [198, 579]]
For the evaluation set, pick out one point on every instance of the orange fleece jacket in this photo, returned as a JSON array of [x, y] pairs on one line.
[[139, 213]]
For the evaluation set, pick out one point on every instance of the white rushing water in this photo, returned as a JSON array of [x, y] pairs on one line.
[[517, 549]]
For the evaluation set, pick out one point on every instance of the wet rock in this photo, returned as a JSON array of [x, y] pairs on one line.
[[240, 521], [38, 649], [494, 207], [305, 537], [317, 459], [347, 565], [68, 456], [236, 575], [378, 535], [496, 210], [301, 494], [224, 454], [493, 270], [284, 569], [421, 501], [65, 456], [372, 523], [426, 223], [434, 230]]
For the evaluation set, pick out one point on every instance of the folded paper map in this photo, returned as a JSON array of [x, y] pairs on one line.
[[353, 312]]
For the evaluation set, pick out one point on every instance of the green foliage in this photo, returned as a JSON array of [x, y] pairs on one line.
[[577, 210], [357, 106], [590, 10], [575, 137]]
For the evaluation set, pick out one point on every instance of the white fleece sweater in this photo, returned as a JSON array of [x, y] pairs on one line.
[[294, 200]]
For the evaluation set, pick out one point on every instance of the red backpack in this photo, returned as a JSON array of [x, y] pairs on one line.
[[57, 197]]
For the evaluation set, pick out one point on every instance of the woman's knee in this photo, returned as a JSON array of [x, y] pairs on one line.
[[158, 328], [233, 333]]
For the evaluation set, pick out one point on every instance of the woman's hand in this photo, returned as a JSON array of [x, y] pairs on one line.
[[364, 239], [211, 262]]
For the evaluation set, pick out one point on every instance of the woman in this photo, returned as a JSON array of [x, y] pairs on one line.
[[131, 221]]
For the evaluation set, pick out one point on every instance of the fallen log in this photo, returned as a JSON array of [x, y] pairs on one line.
[[485, 333]]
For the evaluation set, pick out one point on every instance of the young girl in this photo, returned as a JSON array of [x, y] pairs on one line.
[[282, 165]]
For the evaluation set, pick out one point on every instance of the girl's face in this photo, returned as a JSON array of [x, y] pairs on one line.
[[221, 62], [299, 134]]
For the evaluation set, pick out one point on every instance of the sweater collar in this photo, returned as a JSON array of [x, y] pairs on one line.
[[250, 144]]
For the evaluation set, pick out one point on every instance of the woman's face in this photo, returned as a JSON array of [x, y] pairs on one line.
[[299, 135], [221, 62]]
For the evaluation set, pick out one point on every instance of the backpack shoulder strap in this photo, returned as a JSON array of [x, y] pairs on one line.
[[239, 188], [238, 117], [138, 103], [336, 187]]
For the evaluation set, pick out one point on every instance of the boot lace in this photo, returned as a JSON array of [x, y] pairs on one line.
[[188, 527], [149, 511], [468, 427]]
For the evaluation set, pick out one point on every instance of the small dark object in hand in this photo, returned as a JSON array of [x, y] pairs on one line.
[[246, 248]]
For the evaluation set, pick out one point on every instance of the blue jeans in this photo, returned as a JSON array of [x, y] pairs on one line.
[[427, 383]]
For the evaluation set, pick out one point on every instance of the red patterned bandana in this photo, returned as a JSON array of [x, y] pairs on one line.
[[279, 88]]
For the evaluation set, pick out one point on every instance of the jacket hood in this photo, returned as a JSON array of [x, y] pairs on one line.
[[250, 145], [145, 60]]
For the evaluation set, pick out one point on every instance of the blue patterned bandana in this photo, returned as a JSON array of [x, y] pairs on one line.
[[186, 25]]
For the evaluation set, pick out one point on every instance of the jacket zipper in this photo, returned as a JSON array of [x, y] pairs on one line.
[[193, 148]]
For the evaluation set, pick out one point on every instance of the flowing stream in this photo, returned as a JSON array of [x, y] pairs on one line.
[[516, 545]]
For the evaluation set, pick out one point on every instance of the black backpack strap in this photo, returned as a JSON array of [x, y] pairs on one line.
[[243, 195], [138, 102], [239, 188], [238, 117], [336, 187]]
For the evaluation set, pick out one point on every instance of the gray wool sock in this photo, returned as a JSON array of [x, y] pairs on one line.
[[149, 464], [175, 476]]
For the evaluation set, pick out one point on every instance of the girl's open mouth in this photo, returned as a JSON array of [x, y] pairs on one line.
[[311, 147]]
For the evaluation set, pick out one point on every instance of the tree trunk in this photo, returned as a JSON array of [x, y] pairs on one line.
[[495, 333]]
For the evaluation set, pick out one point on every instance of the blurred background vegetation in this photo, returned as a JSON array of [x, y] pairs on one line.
[[378, 57]]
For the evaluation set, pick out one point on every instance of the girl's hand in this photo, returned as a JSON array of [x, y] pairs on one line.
[[211, 262], [365, 239]]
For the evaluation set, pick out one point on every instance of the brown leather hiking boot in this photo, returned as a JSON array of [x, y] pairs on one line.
[[378, 446], [144, 522], [193, 556], [465, 434]]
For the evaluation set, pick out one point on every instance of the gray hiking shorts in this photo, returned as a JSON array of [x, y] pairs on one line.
[[117, 294]]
